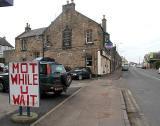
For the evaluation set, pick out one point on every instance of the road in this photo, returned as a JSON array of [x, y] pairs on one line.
[[46, 104], [145, 86]]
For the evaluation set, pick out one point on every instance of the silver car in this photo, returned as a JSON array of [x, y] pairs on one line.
[[125, 67]]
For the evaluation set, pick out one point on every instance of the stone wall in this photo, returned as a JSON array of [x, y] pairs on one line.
[[34, 44], [75, 56]]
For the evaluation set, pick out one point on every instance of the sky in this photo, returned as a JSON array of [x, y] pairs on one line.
[[133, 25]]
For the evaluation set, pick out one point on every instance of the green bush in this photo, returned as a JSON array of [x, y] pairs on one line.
[[156, 64]]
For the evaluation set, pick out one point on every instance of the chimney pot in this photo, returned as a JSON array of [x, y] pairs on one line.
[[68, 7], [27, 28], [103, 16], [104, 23]]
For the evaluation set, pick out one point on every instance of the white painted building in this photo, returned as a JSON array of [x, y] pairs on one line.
[[4, 45], [103, 63]]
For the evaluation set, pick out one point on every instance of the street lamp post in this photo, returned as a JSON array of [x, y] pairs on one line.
[[43, 45], [43, 50]]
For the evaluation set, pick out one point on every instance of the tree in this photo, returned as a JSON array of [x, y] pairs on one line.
[[156, 64]]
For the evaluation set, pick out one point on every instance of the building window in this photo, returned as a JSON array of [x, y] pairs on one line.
[[88, 60], [48, 39], [89, 36], [67, 38], [24, 45], [58, 54], [36, 54], [70, 54], [24, 59]]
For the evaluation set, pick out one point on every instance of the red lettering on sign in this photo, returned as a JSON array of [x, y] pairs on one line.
[[35, 77], [21, 78], [16, 100], [33, 66], [33, 100], [14, 79], [27, 100], [29, 81], [14, 67], [24, 92], [22, 100], [26, 79], [24, 68]]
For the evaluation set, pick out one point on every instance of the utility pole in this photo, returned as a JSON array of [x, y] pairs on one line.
[[43, 45]]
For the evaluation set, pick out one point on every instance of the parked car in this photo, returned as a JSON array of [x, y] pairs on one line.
[[81, 73], [2, 67], [125, 67], [159, 70], [53, 78], [143, 67], [138, 66]]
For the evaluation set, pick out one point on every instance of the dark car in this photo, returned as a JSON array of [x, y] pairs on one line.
[[53, 78], [143, 67], [80, 73]]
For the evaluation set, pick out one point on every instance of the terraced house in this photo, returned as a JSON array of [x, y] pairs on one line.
[[71, 39]]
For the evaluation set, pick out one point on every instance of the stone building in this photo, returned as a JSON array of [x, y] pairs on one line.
[[71, 39]]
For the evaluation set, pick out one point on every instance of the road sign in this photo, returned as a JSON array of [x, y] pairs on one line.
[[24, 83], [5, 3]]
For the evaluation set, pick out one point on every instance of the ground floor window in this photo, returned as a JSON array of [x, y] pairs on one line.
[[36, 54], [88, 60], [24, 59]]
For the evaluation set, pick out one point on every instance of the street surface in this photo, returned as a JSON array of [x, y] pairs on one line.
[[46, 104], [145, 86]]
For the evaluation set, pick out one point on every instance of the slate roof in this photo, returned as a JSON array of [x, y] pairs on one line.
[[30, 33], [4, 42]]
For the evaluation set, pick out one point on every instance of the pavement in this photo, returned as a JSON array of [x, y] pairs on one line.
[[98, 103]]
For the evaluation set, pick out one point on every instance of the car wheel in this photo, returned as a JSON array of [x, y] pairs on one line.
[[90, 76], [67, 80], [2, 87], [80, 77]]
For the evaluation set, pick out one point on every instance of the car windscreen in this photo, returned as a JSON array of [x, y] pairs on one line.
[[57, 68]]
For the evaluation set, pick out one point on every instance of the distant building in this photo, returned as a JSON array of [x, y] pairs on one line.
[[150, 58], [4, 45], [124, 61]]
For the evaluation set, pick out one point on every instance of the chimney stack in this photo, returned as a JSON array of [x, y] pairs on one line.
[[27, 28], [69, 6], [104, 23]]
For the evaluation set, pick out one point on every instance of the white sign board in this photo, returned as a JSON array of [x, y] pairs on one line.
[[24, 83]]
